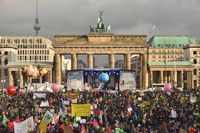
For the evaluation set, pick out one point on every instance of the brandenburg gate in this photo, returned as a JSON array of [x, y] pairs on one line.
[[100, 40], [101, 44]]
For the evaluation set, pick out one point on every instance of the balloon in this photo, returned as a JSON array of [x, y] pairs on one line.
[[36, 72], [25, 68], [167, 87], [44, 71], [11, 90], [30, 71], [103, 77], [55, 88]]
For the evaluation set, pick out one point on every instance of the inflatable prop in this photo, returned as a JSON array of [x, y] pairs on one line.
[[103, 77], [167, 87], [55, 88], [34, 71], [11, 90]]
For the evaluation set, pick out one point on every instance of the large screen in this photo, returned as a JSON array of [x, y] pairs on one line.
[[127, 80], [75, 80]]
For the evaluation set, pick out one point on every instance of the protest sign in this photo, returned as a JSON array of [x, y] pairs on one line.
[[80, 109], [193, 99], [74, 100], [66, 102], [45, 121], [44, 104], [39, 95], [24, 126]]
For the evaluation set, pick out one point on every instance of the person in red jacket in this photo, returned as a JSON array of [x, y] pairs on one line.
[[11, 125]]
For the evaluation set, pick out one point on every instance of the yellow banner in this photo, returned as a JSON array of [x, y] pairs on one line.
[[80, 109]]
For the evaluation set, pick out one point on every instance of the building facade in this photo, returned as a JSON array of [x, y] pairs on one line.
[[192, 53], [28, 50], [166, 63]]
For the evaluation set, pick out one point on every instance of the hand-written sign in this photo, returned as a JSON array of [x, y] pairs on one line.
[[80, 109]]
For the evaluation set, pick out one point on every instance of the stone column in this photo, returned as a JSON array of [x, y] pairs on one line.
[[151, 77], [112, 60], [143, 78], [90, 61], [10, 77], [182, 80], [175, 78], [21, 82], [128, 61], [161, 76], [74, 61], [58, 69]]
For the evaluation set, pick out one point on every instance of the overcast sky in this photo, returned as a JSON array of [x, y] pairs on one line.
[[171, 17]]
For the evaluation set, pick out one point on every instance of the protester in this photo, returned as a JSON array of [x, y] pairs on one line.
[[111, 111]]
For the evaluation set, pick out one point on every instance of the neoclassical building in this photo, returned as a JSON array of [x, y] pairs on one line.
[[167, 64], [20, 51], [192, 54], [100, 41]]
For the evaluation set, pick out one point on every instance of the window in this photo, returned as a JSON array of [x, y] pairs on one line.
[[195, 72], [152, 56], [3, 41], [194, 52], [153, 51], [6, 62], [195, 61], [8, 40], [30, 40], [6, 52]]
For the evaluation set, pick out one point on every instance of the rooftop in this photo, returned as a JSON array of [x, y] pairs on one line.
[[49, 64], [168, 41]]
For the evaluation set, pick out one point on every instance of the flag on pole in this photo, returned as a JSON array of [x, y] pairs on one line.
[[5, 120]]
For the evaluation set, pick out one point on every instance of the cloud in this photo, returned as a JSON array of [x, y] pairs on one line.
[[126, 16]]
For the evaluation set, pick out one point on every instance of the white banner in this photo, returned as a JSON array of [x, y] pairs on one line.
[[39, 95], [44, 104], [24, 126]]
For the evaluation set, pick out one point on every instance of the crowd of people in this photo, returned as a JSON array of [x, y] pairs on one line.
[[111, 112]]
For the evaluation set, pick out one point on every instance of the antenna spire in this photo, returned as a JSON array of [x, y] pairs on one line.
[[36, 25]]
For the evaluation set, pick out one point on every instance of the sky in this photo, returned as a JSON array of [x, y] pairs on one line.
[[62, 17]]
